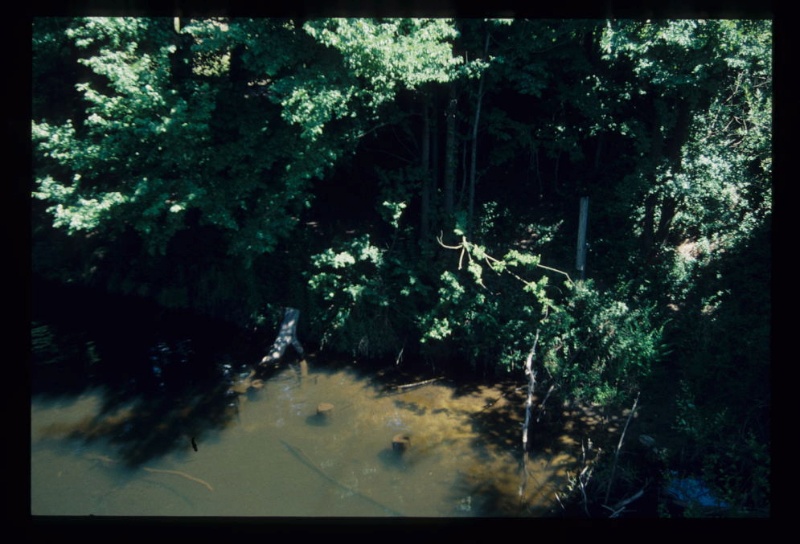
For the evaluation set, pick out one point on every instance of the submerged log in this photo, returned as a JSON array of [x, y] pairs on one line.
[[407, 386]]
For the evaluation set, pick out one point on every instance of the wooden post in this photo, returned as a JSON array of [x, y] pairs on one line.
[[325, 410], [580, 260], [401, 442], [287, 335]]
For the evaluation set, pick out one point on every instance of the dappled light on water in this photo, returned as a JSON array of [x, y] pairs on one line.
[[330, 443]]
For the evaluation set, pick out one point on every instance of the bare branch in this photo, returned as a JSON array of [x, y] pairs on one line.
[[556, 270], [439, 239], [619, 447], [619, 508], [542, 409]]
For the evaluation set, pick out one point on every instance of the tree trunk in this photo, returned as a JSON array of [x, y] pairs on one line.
[[434, 164], [286, 335], [668, 208], [473, 165], [473, 158], [648, 223], [181, 59], [426, 174], [450, 166], [655, 236]]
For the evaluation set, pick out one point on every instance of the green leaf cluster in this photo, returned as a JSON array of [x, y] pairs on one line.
[[598, 347], [363, 294], [215, 124]]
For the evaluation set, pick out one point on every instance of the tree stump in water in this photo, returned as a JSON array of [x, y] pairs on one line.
[[401, 442], [325, 410], [286, 335]]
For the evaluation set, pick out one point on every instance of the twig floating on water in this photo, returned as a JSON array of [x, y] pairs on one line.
[[619, 447], [179, 473], [416, 384], [109, 461]]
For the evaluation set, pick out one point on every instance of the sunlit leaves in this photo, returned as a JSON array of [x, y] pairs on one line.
[[704, 173], [357, 287], [518, 258], [373, 60], [73, 212], [314, 105], [55, 142], [391, 52], [661, 51], [117, 32], [392, 212], [598, 347], [173, 144]]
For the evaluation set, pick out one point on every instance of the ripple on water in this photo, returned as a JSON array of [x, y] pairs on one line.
[[395, 422]]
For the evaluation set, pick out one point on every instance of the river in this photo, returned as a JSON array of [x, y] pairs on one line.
[[275, 455]]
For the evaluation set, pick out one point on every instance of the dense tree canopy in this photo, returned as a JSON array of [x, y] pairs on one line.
[[413, 185]]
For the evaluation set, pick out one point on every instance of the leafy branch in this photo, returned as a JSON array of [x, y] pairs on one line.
[[513, 257]]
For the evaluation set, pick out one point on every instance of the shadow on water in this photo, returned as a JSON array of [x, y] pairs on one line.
[[146, 429], [162, 376]]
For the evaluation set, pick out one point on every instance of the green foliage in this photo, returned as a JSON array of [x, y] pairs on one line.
[[713, 161], [216, 125], [363, 295], [486, 310], [142, 157], [598, 347], [390, 52], [544, 59], [723, 338], [727, 454]]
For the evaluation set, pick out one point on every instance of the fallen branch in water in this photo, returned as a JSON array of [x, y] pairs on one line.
[[531, 374], [564, 508], [584, 477], [542, 409], [618, 508], [416, 384], [109, 461], [306, 460], [179, 473], [619, 447], [488, 405]]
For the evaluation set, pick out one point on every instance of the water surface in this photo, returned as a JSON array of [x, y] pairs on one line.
[[275, 455]]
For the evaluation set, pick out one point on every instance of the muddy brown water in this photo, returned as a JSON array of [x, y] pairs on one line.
[[276, 456]]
